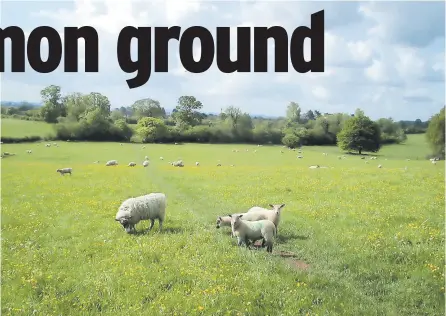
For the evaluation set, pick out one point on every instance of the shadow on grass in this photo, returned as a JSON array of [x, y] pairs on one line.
[[166, 230], [281, 239]]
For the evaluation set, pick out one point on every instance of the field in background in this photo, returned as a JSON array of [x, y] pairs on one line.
[[21, 128], [354, 239]]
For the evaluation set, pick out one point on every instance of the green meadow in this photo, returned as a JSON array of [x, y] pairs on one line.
[[354, 239]]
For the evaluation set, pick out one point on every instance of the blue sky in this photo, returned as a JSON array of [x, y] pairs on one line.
[[387, 58]]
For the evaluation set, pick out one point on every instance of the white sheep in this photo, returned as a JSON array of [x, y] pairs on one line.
[[143, 147], [111, 163], [63, 171], [146, 158], [161, 158], [197, 163], [120, 144], [314, 167], [256, 213], [224, 221], [178, 163], [145, 163], [47, 145], [151, 206], [380, 166], [132, 164], [246, 230], [434, 162], [300, 157], [29, 151]]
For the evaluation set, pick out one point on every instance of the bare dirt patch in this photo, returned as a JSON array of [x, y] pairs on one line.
[[292, 261]]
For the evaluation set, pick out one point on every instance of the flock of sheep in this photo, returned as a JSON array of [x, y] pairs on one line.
[[257, 223]]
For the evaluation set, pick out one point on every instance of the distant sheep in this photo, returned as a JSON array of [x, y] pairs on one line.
[[111, 163], [246, 230], [434, 162], [47, 145], [197, 163], [143, 147], [380, 166], [63, 171], [146, 158], [161, 158], [29, 151], [178, 163], [219, 165], [300, 157], [132, 164], [146, 207], [145, 163], [314, 167], [97, 161]]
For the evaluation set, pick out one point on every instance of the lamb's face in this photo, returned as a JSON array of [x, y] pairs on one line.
[[277, 208], [235, 220], [126, 224]]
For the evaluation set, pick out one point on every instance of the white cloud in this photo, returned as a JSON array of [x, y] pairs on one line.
[[377, 56]]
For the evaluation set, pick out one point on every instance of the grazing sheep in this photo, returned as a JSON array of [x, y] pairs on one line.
[[161, 158], [151, 206], [146, 158], [219, 165], [197, 163], [29, 151], [246, 230], [63, 171], [257, 213], [178, 163], [120, 144], [143, 147], [132, 164], [324, 154], [281, 151], [434, 162], [111, 163], [300, 157], [224, 221], [380, 166], [47, 145], [314, 167], [145, 163], [232, 165]]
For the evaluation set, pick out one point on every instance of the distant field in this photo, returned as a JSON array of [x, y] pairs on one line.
[[22, 128], [354, 239]]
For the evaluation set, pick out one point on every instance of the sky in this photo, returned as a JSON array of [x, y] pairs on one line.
[[387, 58]]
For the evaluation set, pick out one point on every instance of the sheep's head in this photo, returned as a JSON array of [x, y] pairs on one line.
[[219, 221], [277, 207], [58, 170], [235, 220], [125, 222]]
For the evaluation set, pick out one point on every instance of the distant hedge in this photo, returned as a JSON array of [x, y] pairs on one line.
[[26, 139]]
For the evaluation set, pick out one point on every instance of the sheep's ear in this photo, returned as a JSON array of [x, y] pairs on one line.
[[229, 215], [219, 217], [270, 205], [282, 205], [240, 216]]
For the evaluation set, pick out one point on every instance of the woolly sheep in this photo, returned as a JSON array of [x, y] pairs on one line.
[[258, 213], [197, 163], [161, 158], [246, 230], [225, 221], [47, 145], [178, 163], [380, 166], [112, 163], [133, 210], [132, 164], [63, 171], [314, 167], [29, 151], [145, 163]]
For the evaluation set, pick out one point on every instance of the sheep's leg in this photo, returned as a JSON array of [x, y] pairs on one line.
[[263, 242], [239, 241], [152, 222], [160, 221]]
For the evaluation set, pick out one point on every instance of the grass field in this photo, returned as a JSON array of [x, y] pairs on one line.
[[354, 239], [22, 128]]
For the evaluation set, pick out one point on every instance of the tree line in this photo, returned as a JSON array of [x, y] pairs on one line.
[[78, 116]]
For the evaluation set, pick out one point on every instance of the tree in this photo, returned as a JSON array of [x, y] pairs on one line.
[[150, 129], [293, 113], [435, 133], [317, 114], [125, 130], [95, 101], [234, 115], [76, 105], [186, 113], [309, 116], [291, 140], [117, 115], [52, 106], [359, 133], [148, 108]]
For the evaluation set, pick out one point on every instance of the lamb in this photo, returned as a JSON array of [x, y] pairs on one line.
[[225, 221], [150, 206], [63, 171], [112, 163], [257, 213], [246, 230], [145, 163], [132, 164]]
